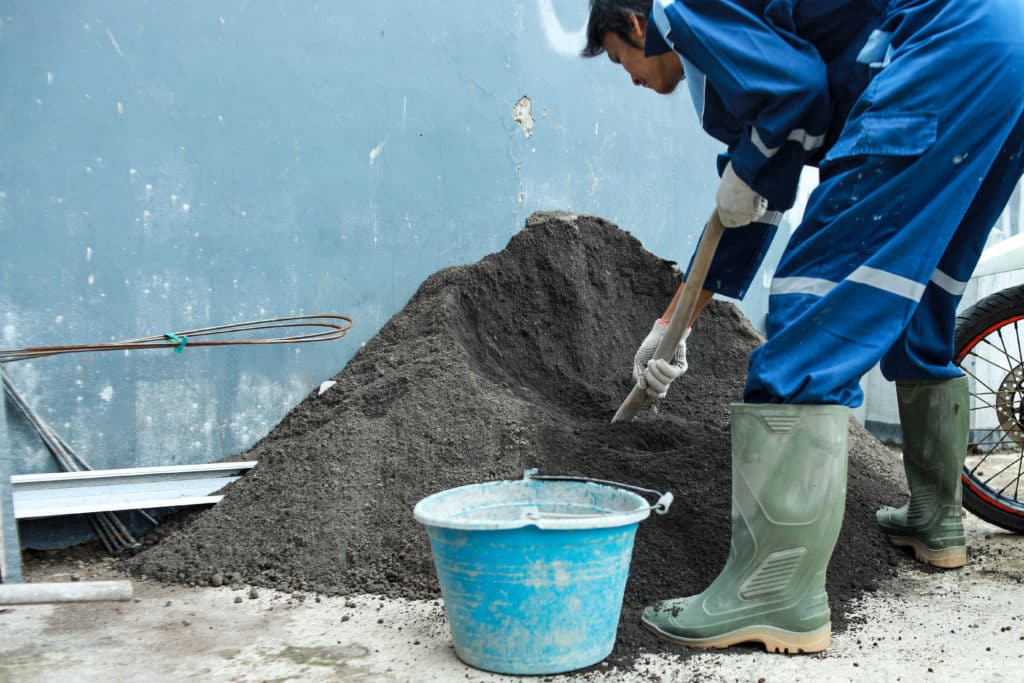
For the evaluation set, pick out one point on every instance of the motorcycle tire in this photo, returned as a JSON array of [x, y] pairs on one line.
[[989, 348]]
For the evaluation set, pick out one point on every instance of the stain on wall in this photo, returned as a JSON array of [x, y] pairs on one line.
[[522, 113]]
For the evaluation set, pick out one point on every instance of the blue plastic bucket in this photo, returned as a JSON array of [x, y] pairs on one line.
[[533, 572]]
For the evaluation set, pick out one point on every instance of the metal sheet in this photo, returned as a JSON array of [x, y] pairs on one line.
[[143, 488]]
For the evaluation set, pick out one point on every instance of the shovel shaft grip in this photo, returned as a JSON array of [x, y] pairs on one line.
[[682, 315]]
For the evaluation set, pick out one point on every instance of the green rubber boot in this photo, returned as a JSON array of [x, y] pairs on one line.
[[788, 497], [935, 418]]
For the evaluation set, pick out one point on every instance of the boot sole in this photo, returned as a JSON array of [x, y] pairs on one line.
[[773, 639], [948, 558]]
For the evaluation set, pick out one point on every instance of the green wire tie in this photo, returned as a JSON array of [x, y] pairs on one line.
[[182, 340]]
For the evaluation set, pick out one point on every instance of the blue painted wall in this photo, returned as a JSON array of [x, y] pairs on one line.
[[171, 165]]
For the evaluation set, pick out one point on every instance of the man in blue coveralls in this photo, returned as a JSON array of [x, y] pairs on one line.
[[913, 112]]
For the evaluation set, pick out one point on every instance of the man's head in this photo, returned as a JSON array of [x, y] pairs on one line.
[[618, 27]]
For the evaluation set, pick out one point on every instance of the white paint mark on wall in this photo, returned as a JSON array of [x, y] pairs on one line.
[[405, 109], [49, 78], [266, 399], [88, 254], [107, 393], [113, 41], [91, 279], [375, 152], [568, 43], [168, 426], [522, 113], [120, 107]]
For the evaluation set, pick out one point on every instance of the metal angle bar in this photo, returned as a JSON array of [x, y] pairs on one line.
[[138, 474], [128, 489]]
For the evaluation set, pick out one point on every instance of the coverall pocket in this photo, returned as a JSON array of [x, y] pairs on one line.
[[886, 134], [864, 181]]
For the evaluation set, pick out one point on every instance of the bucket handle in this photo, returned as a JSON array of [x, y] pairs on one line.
[[660, 506]]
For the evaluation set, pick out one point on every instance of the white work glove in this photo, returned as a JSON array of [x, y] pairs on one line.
[[654, 376], [738, 204]]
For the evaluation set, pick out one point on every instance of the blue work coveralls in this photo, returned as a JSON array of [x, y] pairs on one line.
[[913, 111]]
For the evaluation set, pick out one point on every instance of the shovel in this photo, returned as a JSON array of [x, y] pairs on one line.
[[681, 316]]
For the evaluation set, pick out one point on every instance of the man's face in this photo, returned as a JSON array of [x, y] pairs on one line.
[[661, 73]]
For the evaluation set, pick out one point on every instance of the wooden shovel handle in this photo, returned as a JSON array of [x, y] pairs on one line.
[[682, 315]]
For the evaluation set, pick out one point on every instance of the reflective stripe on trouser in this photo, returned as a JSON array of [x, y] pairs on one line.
[[892, 233]]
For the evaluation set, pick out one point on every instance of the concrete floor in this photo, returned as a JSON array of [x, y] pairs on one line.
[[941, 626]]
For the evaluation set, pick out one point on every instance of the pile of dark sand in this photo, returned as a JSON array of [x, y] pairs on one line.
[[517, 361]]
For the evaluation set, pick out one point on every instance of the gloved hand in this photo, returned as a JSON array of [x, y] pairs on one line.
[[738, 204], [654, 376]]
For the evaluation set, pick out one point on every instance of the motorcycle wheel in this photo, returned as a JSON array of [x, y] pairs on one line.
[[989, 348]]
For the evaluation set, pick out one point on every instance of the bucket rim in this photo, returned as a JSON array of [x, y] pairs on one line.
[[423, 515]]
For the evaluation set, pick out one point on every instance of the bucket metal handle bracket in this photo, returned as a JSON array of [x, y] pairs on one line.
[[661, 506]]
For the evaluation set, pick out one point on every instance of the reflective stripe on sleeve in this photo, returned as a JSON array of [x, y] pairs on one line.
[[800, 136]]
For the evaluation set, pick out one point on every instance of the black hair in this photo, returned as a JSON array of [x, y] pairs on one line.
[[612, 16]]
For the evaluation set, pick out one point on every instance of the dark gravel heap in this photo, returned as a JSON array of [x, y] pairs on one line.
[[517, 361]]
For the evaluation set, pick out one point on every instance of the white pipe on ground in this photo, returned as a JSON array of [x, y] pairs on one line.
[[85, 591]]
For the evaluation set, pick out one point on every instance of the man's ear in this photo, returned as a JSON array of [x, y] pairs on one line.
[[637, 28]]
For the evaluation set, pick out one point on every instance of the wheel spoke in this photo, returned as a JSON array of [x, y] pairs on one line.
[[986, 435], [1020, 465], [984, 405], [1016, 330], [1015, 482], [977, 379], [986, 481], [999, 352], [992, 450], [1006, 352]]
